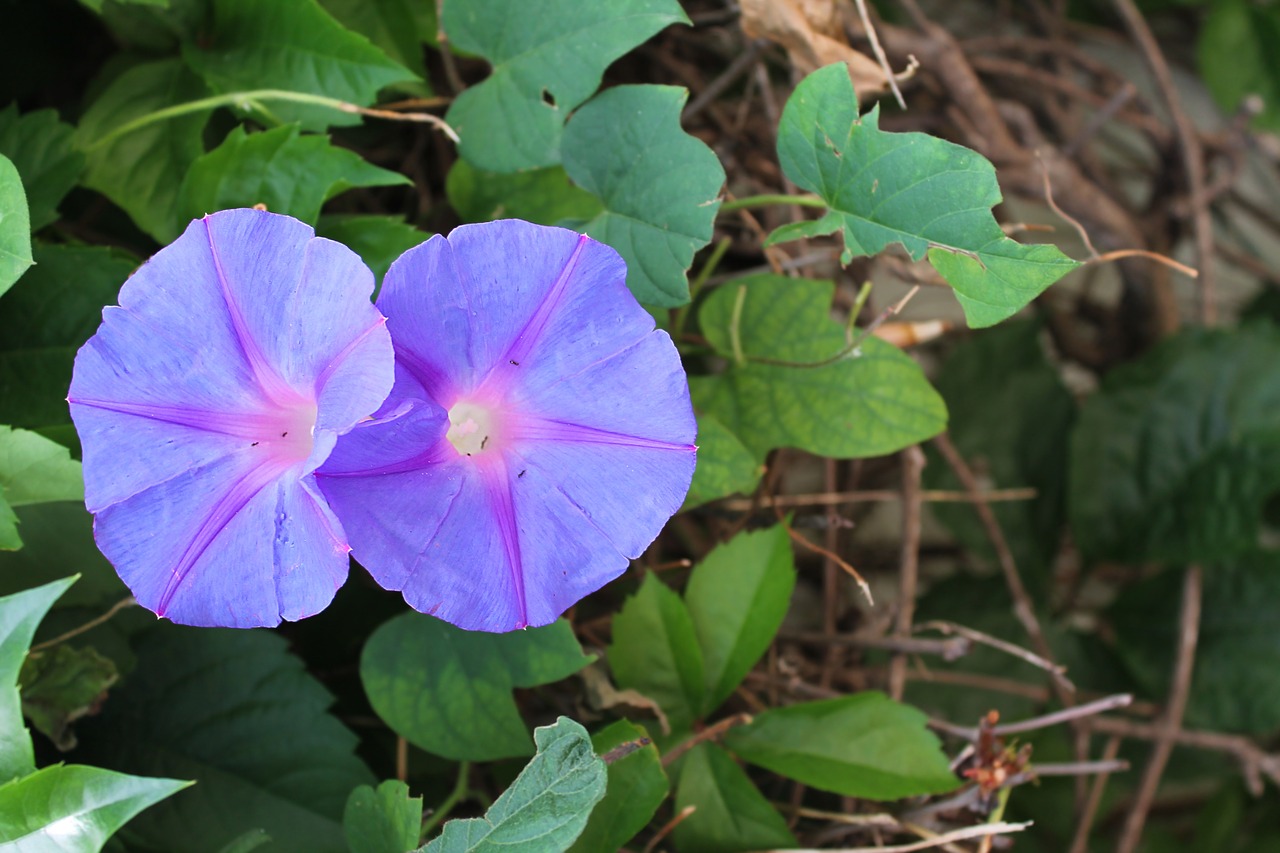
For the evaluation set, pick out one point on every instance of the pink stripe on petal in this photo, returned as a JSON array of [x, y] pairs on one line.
[[247, 425], [532, 428], [497, 483]]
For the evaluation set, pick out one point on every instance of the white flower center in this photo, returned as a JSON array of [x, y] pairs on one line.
[[472, 428]]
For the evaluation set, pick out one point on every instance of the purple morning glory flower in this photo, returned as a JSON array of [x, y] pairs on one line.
[[538, 436], [205, 402]]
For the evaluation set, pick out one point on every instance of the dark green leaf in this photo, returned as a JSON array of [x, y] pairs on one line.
[[1236, 52], [378, 240], [20, 614], [236, 712], [738, 596], [247, 841], [96, 5], [15, 226], [448, 691], [655, 651], [930, 195], [547, 805], [1174, 457], [1010, 416], [289, 173], [39, 145], [57, 536], [865, 745], [383, 821], [659, 185], [731, 815], [61, 685], [637, 786], [51, 311], [295, 46], [74, 809], [725, 466], [1235, 685], [142, 170], [398, 27], [873, 401], [545, 64], [544, 196]]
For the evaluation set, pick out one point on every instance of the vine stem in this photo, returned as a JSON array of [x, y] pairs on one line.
[[248, 98], [753, 201], [456, 796], [129, 601]]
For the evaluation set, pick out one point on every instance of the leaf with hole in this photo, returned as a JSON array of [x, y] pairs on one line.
[[386, 820], [929, 195]]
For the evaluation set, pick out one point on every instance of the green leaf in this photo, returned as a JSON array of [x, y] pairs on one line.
[[1176, 454], [659, 185], [547, 805], [378, 240], [865, 745], [398, 27], [142, 170], [655, 651], [246, 842], [1010, 415], [637, 786], [289, 173], [96, 5], [20, 614], [51, 311], [545, 64], [1235, 685], [873, 401], [15, 226], [1237, 59], [382, 821], [236, 712], [725, 466], [544, 196], [74, 808], [930, 195], [39, 145], [732, 816], [61, 685], [448, 691], [33, 470], [738, 596], [57, 536], [296, 46]]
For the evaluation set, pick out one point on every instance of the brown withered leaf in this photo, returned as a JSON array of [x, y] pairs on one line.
[[811, 33]]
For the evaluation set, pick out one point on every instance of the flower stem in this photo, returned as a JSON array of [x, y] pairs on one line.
[[457, 795], [767, 199]]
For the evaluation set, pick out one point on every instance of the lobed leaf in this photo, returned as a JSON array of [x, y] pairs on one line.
[[731, 814], [448, 691], [931, 196], [383, 821], [40, 146], [659, 185], [870, 402], [636, 787], [545, 64], [725, 466], [397, 27], [547, 805], [544, 196]]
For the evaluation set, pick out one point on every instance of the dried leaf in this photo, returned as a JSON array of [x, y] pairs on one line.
[[810, 31]]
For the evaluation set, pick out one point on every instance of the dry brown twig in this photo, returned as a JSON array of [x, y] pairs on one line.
[[912, 464]]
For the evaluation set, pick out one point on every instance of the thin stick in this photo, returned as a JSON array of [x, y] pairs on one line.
[[402, 759], [952, 648], [850, 570], [879, 52], [1003, 645], [913, 463], [1066, 715], [128, 601], [868, 495], [1080, 844], [709, 733], [668, 827], [1171, 721], [980, 831]]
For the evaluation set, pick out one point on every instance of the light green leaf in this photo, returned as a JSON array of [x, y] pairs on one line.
[[289, 173], [39, 145], [142, 170], [1177, 453], [67, 808], [659, 185], [865, 745], [873, 401], [448, 691], [51, 311], [398, 27], [732, 815], [738, 596], [545, 63], [96, 5], [296, 46], [655, 651], [725, 466], [547, 805], [15, 226], [61, 685], [236, 712], [378, 240], [383, 821], [637, 786], [1237, 58], [34, 469], [20, 614], [930, 195], [544, 196]]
